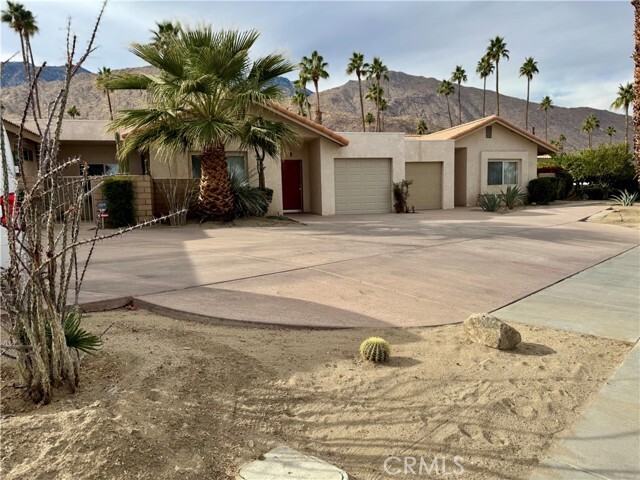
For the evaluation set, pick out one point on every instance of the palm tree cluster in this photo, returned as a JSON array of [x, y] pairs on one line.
[[623, 101], [23, 22], [203, 97], [314, 68]]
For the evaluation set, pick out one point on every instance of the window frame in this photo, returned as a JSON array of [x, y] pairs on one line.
[[504, 163]]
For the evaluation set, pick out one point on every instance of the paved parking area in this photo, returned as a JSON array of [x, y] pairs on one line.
[[427, 268]]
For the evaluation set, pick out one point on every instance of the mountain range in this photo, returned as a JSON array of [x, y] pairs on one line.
[[410, 98], [13, 74]]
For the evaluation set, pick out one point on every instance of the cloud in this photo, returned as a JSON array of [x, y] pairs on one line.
[[582, 48]]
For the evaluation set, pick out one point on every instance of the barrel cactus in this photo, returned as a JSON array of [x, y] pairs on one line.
[[375, 349]]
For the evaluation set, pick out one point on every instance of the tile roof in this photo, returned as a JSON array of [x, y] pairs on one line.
[[309, 124], [470, 127], [16, 124]]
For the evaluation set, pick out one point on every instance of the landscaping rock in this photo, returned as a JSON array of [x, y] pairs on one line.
[[491, 331]]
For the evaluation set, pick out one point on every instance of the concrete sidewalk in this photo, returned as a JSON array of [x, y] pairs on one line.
[[603, 301]]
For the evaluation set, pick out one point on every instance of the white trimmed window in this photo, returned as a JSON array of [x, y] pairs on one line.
[[502, 172]]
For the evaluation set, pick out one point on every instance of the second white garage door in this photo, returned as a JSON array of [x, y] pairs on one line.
[[363, 185], [426, 191]]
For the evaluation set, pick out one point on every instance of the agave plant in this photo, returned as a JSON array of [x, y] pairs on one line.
[[248, 201], [625, 198], [513, 197], [489, 202]]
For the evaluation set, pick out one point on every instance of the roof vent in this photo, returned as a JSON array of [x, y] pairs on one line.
[[488, 131]]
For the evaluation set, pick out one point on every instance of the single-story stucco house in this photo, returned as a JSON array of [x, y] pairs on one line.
[[350, 172]]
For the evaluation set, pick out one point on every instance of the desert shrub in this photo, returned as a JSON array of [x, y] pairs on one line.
[[401, 196], [375, 349], [119, 195], [489, 202], [625, 198], [568, 184], [541, 190], [558, 185], [248, 201], [513, 197]]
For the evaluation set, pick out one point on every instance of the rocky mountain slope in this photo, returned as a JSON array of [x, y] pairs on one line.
[[13, 74], [410, 98]]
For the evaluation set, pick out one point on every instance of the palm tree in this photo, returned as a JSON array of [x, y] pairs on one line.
[[611, 132], [298, 99], [377, 72], [73, 112], [199, 99], [314, 68], [266, 137], [496, 50], [376, 95], [446, 88], [358, 66], [165, 33], [23, 23], [623, 100], [301, 86], [370, 119], [459, 75], [528, 69], [590, 124], [484, 69], [421, 129], [102, 84], [383, 108], [545, 104]]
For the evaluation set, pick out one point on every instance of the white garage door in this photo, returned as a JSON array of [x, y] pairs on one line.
[[363, 185], [425, 193]]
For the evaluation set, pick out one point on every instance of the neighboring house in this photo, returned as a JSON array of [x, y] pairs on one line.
[[340, 173]]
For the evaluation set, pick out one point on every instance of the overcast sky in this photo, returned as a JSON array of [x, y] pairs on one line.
[[583, 48]]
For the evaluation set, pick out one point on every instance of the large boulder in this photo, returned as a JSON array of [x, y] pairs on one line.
[[491, 331]]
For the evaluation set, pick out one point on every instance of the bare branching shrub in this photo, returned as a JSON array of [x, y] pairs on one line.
[[179, 194], [48, 258]]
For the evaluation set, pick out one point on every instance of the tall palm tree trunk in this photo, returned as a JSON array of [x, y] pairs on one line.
[[626, 124], [110, 107], [526, 109], [459, 107], [484, 98], [378, 114], [497, 90], [215, 198], [546, 115], [33, 65], [449, 110], [318, 111], [364, 128]]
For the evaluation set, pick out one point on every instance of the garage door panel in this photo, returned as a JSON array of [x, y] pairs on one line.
[[363, 185], [426, 191]]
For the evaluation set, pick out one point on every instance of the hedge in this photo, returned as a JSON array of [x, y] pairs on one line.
[[118, 193], [542, 190]]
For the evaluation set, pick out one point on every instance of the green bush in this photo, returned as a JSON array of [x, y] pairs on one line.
[[605, 165], [595, 192], [542, 190], [558, 187], [119, 195]]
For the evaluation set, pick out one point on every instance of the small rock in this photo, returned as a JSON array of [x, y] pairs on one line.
[[491, 331]]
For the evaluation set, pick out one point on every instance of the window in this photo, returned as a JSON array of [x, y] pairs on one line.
[[502, 172], [98, 169], [233, 161], [488, 131]]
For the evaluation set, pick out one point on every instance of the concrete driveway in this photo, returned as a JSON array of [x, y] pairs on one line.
[[428, 268]]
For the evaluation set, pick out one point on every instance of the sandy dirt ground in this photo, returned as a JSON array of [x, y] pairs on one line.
[[171, 399], [624, 216]]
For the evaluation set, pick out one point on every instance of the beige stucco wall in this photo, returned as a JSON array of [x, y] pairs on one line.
[[95, 153], [504, 145]]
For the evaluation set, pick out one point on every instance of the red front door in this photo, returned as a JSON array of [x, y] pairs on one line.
[[292, 185]]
